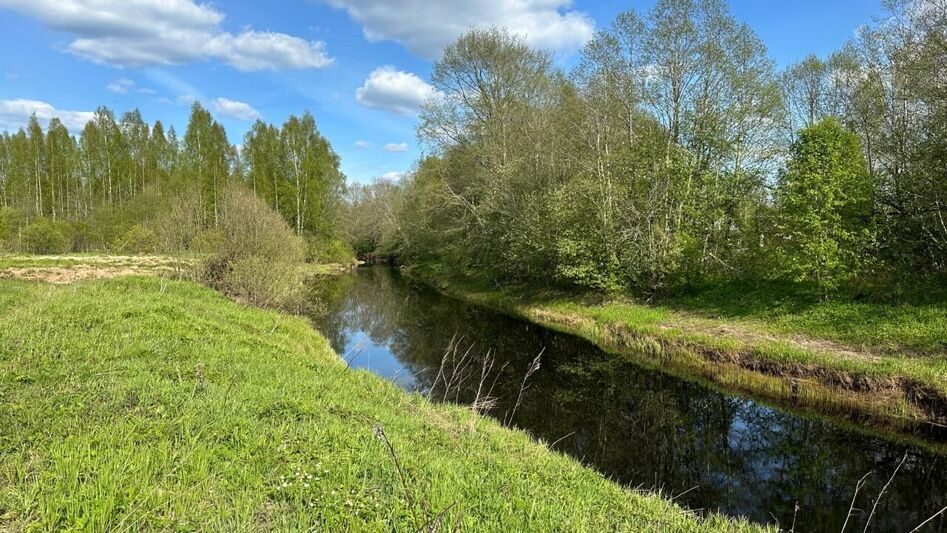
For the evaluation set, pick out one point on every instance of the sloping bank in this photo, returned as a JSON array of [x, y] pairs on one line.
[[141, 403], [900, 391]]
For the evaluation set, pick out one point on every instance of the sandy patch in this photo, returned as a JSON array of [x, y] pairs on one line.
[[63, 275]]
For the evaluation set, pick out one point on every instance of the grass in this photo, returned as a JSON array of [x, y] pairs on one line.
[[887, 360], [141, 403], [901, 324]]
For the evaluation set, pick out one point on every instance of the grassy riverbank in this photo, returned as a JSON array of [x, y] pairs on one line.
[[885, 360], [142, 403]]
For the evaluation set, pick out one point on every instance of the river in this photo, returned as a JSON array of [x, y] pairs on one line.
[[642, 428]]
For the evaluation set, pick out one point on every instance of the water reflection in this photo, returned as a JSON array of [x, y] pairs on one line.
[[639, 427]]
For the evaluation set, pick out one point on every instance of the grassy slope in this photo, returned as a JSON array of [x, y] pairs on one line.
[[834, 357], [140, 403]]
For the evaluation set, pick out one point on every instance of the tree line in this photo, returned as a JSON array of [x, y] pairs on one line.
[[676, 153], [109, 186]]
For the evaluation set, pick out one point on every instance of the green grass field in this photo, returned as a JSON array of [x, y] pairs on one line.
[[142, 404], [894, 321]]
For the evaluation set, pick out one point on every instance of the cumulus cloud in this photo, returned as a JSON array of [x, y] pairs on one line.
[[121, 86], [426, 27], [14, 114], [363, 144], [396, 147], [394, 90], [254, 50], [138, 33], [234, 109]]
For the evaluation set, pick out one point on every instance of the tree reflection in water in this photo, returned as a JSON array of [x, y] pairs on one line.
[[638, 427]]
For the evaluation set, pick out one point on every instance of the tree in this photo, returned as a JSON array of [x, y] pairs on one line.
[[136, 133], [311, 170], [37, 155], [806, 90], [824, 202], [205, 157], [61, 157]]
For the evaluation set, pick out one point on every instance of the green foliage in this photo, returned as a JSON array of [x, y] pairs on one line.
[[825, 206], [328, 251], [657, 162], [45, 236], [258, 259], [205, 161], [296, 172], [125, 186], [137, 239], [10, 222], [597, 180]]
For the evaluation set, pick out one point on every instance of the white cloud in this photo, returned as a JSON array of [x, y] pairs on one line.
[[121, 86], [234, 109], [254, 50], [137, 33], [396, 147], [426, 27], [363, 144], [393, 90], [392, 176], [14, 114]]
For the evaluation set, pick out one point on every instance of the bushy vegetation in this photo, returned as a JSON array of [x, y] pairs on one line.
[[675, 155], [145, 404], [45, 236], [255, 256]]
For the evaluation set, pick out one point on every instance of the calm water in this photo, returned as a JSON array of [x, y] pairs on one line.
[[639, 427]]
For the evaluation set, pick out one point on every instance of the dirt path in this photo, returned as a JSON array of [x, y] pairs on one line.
[[752, 337]]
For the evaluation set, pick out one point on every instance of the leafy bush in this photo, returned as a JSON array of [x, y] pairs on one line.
[[329, 251], [10, 220], [137, 239], [45, 236], [85, 238], [258, 257]]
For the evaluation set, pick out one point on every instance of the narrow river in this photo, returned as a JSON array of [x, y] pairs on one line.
[[709, 451]]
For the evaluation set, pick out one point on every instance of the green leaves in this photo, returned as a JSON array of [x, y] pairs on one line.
[[824, 201]]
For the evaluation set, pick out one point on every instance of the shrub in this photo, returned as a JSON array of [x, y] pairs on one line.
[[10, 220], [329, 251], [84, 237], [208, 241], [137, 239], [45, 236], [258, 258], [177, 228]]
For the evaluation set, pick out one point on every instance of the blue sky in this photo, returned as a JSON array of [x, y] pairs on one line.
[[359, 66]]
